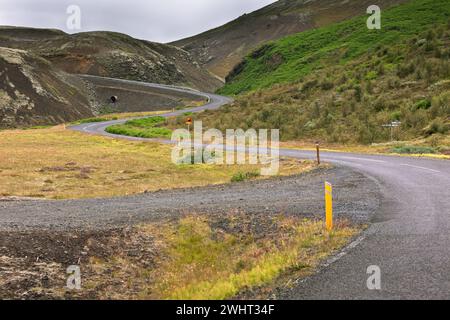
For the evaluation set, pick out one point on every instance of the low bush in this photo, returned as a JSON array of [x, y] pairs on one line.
[[142, 128], [146, 122], [150, 133], [413, 150], [243, 176], [92, 120]]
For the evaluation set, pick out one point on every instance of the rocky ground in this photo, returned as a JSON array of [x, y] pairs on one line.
[[48, 236]]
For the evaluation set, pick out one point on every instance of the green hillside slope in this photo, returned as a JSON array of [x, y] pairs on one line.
[[344, 92], [220, 49], [293, 57]]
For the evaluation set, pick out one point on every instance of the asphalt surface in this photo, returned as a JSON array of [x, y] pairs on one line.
[[408, 239], [214, 102]]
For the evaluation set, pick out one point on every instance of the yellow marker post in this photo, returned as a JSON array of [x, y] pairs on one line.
[[329, 205]]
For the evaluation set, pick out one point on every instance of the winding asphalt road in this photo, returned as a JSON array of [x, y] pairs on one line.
[[408, 239], [214, 102]]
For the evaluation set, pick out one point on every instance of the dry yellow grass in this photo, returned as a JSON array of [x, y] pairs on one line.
[[203, 265], [442, 141], [197, 259], [55, 163]]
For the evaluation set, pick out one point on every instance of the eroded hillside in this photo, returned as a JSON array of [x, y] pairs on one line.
[[34, 93], [111, 54]]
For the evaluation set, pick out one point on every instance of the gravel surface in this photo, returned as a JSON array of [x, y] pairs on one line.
[[356, 198]]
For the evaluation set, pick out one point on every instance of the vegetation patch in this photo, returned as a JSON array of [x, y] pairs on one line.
[[335, 44], [242, 176], [94, 120], [203, 257], [196, 256], [413, 150], [350, 93], [439, 143], [142, 128], [55, 163]]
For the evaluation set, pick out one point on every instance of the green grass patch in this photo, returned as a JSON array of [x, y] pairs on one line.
[[142, 128], [243, 176], [125, 130], [92, 120], [424, 104], [414, 150], [146, 122]]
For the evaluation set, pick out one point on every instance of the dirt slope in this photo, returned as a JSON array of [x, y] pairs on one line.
[[111, 54], [32, 92]]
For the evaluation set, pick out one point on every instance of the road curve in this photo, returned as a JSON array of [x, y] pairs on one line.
[[214, 102], [409, 238]]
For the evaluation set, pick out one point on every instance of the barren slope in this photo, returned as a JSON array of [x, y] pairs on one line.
[[112, 55], [34, 93]]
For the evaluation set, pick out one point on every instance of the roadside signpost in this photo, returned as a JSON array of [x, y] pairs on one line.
[[318, 152], [392, 126], [189, 123], [329, 205]]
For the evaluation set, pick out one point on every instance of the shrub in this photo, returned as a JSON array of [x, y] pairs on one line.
[[146, 122], [371, 75], [242, 176], [327, 85], [309, 85], [396, 115], [423, 104], [436, 126], [92, 120], [405, 69], [413, 150]]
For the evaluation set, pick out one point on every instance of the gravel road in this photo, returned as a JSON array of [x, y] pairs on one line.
[[296, 195]]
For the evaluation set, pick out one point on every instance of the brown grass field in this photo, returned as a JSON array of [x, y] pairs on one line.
[[55, 163]]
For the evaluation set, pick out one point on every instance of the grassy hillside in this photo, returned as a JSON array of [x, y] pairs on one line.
[[293, 57], [220, 49], [347, 95]]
